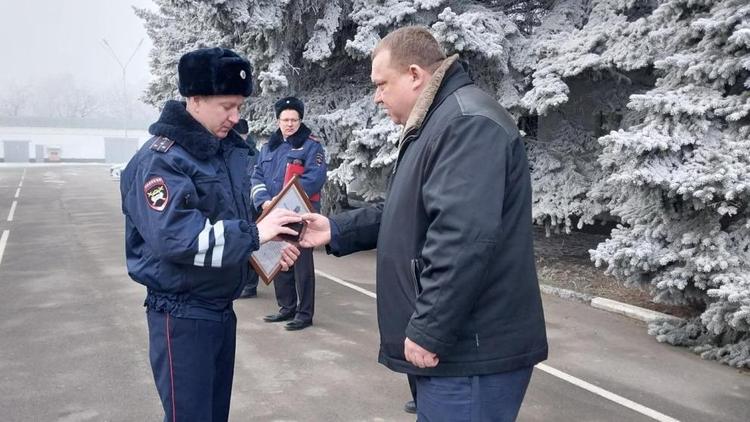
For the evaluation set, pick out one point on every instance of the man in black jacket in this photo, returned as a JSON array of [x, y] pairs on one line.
[[457, 294]]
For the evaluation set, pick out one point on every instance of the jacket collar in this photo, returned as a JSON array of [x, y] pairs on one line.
[[178, 125], [447, 78], [296, 140]]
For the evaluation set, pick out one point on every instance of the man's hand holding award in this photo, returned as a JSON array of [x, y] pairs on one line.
[[269, 259]]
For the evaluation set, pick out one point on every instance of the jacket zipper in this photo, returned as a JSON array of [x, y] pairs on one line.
[[244, 269], [227, 159], [416, 272], [409, 138]]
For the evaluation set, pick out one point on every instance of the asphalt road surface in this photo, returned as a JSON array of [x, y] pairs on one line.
[[73, 339]]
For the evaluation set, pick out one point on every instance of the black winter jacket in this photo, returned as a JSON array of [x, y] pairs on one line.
[[455, 261]]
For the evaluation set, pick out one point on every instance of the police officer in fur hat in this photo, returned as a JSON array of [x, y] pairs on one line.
[[189, 234], [291, 150]]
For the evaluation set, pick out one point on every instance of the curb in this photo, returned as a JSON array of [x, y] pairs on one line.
[[565, 293], [609, 305]]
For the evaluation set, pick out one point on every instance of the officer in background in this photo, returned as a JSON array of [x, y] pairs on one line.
[[243, 130], [189, 234], [291, 150]]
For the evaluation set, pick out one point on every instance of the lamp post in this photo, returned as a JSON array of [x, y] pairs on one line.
[[124, 68]]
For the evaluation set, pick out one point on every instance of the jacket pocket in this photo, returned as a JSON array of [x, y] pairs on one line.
[[416, 274], [211, 195]]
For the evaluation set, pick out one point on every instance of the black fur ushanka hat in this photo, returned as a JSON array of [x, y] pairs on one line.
[[214, 71], [290, 103]]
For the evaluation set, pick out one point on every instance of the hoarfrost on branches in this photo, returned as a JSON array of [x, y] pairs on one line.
[[632, 111]]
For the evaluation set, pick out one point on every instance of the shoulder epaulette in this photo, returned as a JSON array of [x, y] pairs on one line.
[[313, 138], [162, 144]]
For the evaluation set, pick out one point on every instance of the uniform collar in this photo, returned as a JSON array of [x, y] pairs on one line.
[[178, 125], [296, 140]]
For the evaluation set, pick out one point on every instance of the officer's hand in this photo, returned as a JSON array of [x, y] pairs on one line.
[[289, 255], [318, 231], [272, 224], [419, 356]]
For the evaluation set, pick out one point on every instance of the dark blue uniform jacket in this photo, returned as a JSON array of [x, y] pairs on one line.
[[300, 148], [188, 230]]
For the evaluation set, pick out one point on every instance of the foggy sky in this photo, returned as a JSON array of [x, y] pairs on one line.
[[42, 38]]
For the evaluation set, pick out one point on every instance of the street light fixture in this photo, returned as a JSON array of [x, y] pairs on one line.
[[124, 68]]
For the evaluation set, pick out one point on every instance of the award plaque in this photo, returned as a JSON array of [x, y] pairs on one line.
[[266, 260]]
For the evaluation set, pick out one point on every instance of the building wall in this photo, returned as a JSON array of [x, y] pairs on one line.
[[76, 144]]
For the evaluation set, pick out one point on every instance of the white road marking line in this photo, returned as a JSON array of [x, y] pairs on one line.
[[20, 184], [12, 210], [347, 284], [3, 242], [18, 191], [622, 401]]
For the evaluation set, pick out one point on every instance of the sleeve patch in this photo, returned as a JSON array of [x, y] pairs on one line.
[[319, 159], [157, 194]]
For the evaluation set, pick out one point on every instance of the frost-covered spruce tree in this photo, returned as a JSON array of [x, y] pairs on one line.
[[584, 64], [175, 28], [675, 172], [680, 179], [319, 51]]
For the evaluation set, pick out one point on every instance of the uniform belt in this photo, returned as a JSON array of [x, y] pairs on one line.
[[177, 306], [197, 312]]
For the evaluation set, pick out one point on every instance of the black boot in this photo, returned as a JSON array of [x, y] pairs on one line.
[[281, 316], [410, 407], [249, 292]]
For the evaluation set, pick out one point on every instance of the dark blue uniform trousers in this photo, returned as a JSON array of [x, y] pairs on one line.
[[480, 398], [193, 365], [298, 283]]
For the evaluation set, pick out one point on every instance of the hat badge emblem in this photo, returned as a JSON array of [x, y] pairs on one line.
[[243, 75]]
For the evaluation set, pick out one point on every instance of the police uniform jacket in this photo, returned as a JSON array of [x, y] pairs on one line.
[[185, 196], [301, 149]]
